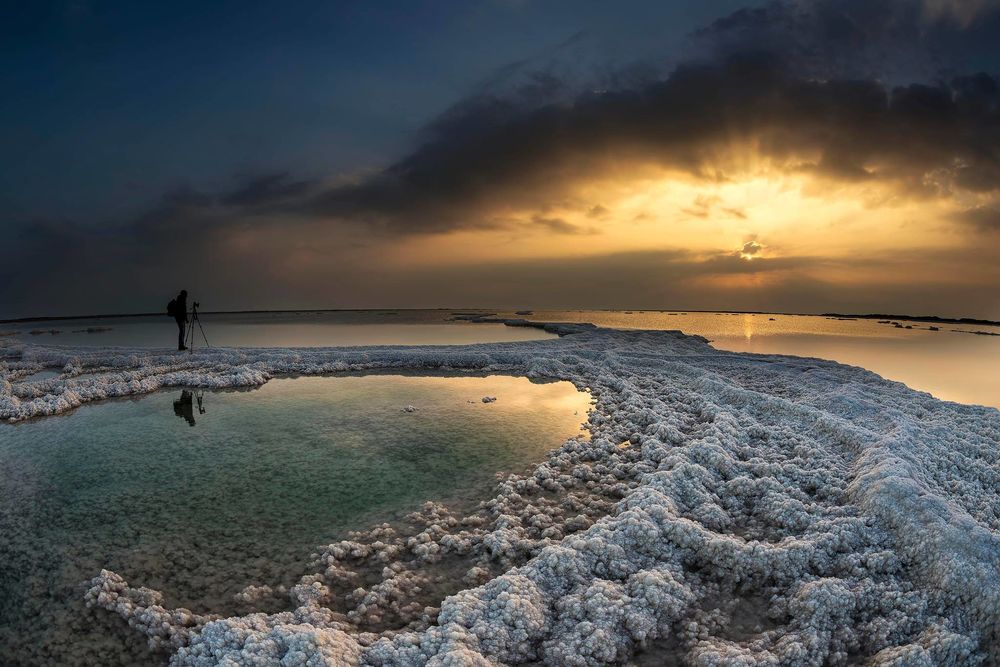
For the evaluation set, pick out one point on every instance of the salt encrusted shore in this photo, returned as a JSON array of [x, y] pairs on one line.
[[729, 509]]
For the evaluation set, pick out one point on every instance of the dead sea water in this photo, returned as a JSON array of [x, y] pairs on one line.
[[201, 504], [859, 512], [950, 363]]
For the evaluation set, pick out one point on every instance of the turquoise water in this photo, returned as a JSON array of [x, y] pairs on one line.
[[201, 504]]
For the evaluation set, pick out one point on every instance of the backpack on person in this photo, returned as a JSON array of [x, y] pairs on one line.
[[172, 308]]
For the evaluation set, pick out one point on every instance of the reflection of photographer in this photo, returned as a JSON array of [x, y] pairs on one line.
[[177, 308], [184, 407]]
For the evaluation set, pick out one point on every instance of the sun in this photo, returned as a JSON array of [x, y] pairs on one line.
[[750, 250]]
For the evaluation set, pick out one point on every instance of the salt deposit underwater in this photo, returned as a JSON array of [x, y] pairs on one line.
[[201, 504], [730, 509]]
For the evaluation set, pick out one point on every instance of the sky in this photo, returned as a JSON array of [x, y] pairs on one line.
[[790, 156]]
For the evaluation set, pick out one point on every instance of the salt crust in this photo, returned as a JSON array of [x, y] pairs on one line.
[[729, 509]]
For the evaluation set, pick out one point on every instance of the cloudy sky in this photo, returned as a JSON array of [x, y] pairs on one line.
[[804, 155]]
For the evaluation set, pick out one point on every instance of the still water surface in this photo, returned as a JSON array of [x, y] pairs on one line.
[[202, 498], [952, 365], [285, 329]]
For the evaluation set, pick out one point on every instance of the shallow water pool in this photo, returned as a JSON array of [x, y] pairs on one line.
[[202, 494]]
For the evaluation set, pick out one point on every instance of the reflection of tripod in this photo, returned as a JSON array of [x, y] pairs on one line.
[[190, 333], [183, 406]]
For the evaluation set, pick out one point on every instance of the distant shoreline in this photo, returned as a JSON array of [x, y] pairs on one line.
[[863, 316], [916, 318]]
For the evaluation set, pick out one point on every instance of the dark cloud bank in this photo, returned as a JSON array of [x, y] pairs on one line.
[[811, 84]]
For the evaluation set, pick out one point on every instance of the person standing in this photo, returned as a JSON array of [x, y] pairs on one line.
[[177, 308]]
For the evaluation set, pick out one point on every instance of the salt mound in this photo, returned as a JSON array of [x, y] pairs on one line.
[[729, 509]]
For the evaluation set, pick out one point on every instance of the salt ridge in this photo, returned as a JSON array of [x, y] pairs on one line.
[[729, 509]]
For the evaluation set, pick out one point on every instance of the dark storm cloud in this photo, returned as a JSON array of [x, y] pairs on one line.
[[815, 86], [806, 80], [984, 218], [889, 40], [526, 149], [924, 139], [489, 151]]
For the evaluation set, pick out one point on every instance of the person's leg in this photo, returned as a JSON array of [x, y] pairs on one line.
[[180, 335]]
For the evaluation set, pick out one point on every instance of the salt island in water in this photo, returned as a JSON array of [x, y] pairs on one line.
[[727, 509]]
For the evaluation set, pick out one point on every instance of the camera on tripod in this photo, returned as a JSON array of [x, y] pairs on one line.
[[195, 319]]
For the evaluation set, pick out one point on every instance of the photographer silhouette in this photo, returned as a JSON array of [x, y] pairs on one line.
[[177, 308]]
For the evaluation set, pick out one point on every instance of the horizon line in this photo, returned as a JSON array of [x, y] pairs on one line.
[[911, 318]]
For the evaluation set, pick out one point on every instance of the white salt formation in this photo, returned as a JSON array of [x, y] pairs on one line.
[[729, 509]]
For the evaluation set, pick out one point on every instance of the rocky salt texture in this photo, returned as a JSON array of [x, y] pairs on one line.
[[729, 509]]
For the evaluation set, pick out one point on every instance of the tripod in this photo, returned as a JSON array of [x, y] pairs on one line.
[[190, 334]]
